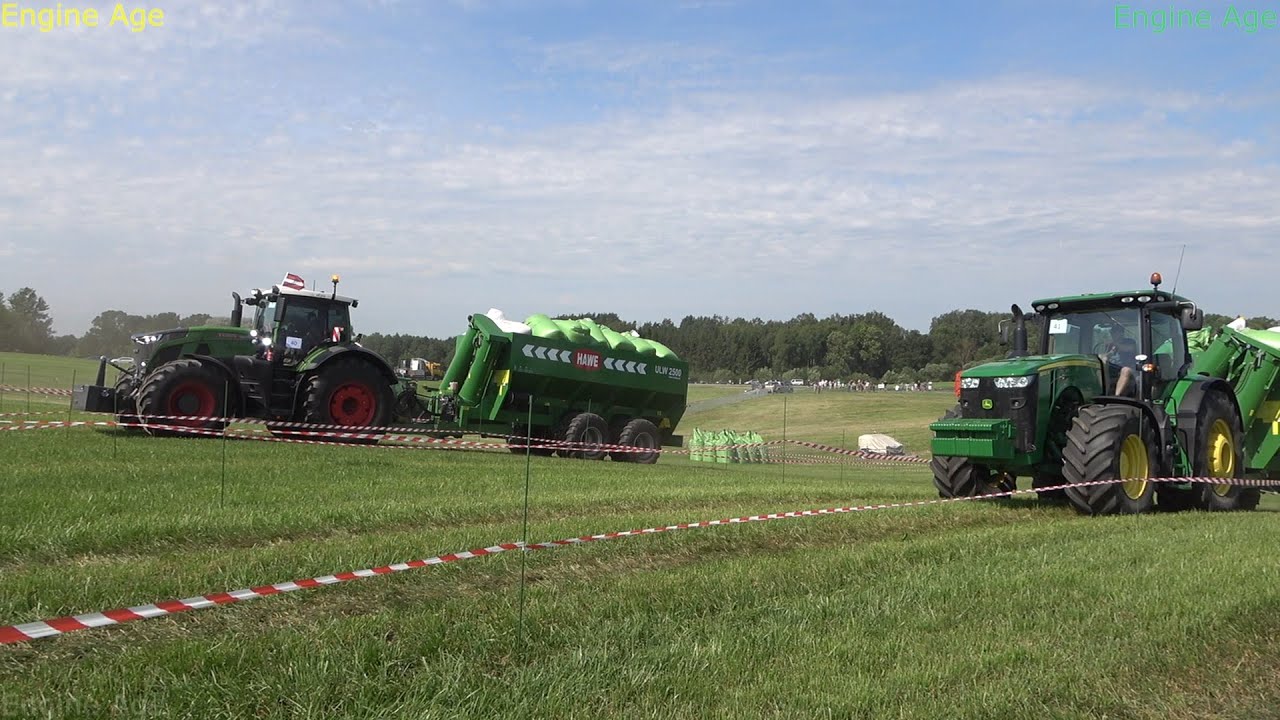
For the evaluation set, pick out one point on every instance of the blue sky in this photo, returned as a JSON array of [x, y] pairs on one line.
[[655, 159]]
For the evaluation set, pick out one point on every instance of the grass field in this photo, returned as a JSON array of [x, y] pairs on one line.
[[1008, 609]]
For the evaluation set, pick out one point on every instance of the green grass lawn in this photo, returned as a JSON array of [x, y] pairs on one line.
[[1009, 609]]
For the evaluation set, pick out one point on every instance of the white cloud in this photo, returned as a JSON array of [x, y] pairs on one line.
[[767, 204]]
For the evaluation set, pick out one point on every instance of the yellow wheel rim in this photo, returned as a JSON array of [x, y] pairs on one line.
[[1221, 449], [1134, 463]]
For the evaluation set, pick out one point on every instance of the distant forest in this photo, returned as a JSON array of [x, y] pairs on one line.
[[866, 346]]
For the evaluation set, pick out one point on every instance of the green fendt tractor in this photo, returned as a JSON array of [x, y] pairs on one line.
[[1081, 410], [299, 362]]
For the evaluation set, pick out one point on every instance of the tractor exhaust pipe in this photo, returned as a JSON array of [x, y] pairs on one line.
[[1019, 333], [237, 311]]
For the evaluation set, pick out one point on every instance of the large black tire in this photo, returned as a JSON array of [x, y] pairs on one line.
[[1110, 442], [183, 387], [961, 477], [1219, 452], [349, 392], [126, 402], [638, 433], [584, 429]]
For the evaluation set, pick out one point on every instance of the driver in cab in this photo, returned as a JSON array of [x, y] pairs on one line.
[[1122, 356]]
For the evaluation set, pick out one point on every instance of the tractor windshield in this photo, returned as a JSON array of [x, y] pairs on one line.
[[1092, 332], [264, 319]]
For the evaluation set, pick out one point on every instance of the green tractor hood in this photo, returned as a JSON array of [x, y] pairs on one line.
[[1029, 365]]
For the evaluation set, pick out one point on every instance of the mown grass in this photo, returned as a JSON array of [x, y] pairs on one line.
[[1010, 609]]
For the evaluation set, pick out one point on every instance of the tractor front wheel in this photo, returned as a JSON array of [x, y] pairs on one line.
[[1110, 442], [182, 394], [348, 393], [957, 477], [1219, 453]]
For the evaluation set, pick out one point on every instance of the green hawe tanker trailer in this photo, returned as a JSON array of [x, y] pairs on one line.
[[565, 381], [1123, 387]]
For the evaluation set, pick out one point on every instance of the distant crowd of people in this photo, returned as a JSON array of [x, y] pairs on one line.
[[851, 386], [869, 386]]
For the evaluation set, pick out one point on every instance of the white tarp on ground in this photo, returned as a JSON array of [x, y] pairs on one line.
[[878, 443]]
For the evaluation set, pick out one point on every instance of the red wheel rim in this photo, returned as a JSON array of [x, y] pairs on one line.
[[353, 404], [192, 398]]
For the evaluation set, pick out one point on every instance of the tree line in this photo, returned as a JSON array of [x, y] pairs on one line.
[[864, 346]]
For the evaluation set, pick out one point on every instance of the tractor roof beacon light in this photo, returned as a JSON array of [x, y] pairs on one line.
[[1156, 280], [334, 278]]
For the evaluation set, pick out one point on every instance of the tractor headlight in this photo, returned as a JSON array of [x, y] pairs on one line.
[[969, 383], [1006, 383]]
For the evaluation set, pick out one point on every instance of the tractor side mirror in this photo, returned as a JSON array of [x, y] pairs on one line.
[[1004, 332], [1192, 318]]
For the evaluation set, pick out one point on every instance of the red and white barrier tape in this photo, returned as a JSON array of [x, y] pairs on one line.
[[58, 626], [35, 390]]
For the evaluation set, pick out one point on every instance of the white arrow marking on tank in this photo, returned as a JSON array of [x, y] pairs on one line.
[[608, 362], [541, 352], [566, 356], [528, 351], [640, 368], [631, 366]]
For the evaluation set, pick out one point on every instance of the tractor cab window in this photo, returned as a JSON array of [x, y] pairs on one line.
[[340, 322], [264, 318], [303, 324], [1093, 332], [309, 322], [1168, 346]]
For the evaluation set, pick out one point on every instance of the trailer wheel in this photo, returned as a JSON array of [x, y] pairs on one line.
[[182, 387], [1219, 453], [1110, 442], [587, 433], [350, 393], [638, 433]]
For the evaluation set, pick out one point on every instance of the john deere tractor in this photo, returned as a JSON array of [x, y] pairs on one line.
[[299, 362], [1078, 411]]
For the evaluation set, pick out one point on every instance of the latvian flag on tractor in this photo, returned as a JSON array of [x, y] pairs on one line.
[[293, 282]]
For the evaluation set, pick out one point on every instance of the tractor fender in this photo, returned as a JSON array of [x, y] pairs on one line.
[[1187, 416], [327, 353], [235, 391]]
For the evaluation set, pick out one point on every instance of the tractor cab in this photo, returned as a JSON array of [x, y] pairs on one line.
[[1143, 330], [289, 323]]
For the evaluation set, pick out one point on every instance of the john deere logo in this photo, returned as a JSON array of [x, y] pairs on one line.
[[987, 404]]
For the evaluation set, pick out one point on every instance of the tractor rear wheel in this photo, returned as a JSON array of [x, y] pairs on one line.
[[1219, 453], [184, 387], [586, 433], [349, 393], [638, 433], [1110, 442]]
